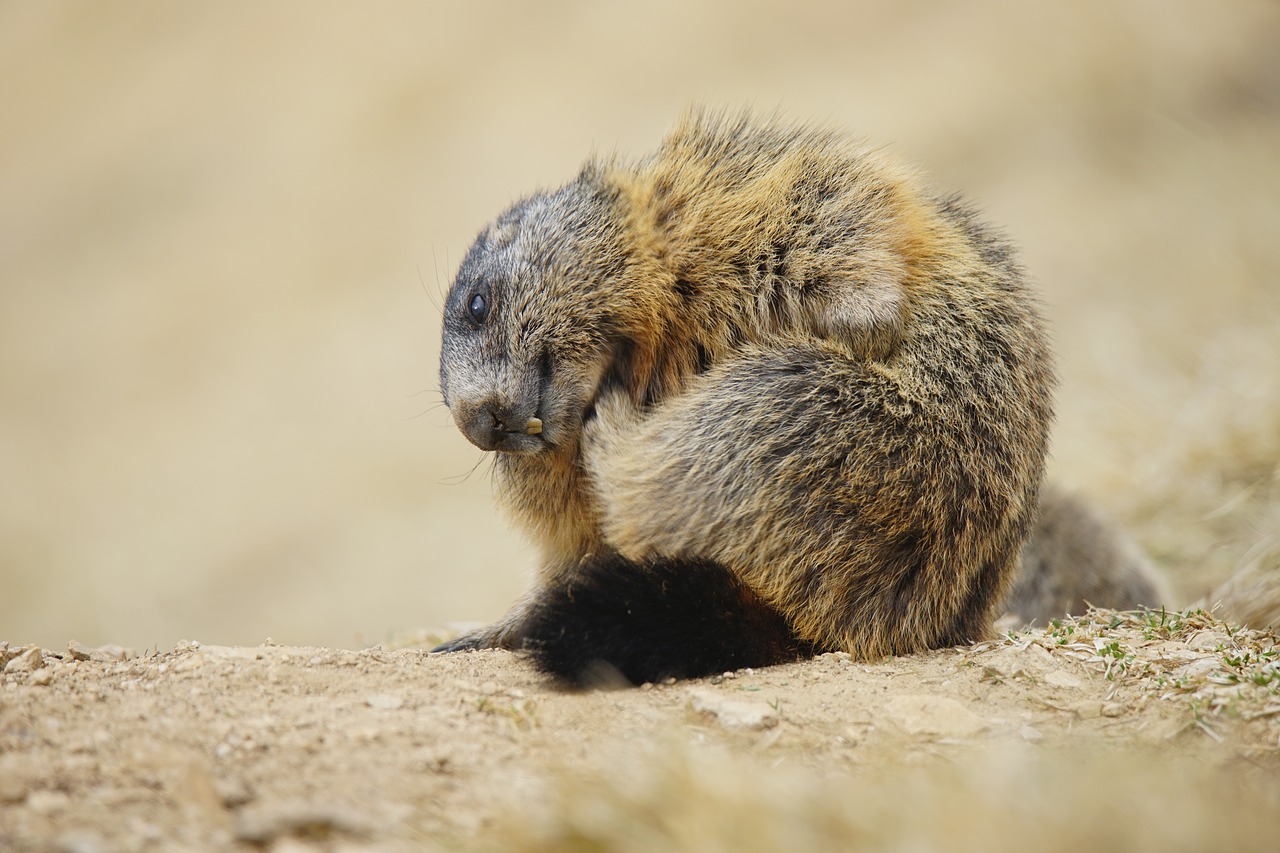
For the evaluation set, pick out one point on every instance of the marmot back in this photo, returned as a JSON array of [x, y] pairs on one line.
[[765, 367]]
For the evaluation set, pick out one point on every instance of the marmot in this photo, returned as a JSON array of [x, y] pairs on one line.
[[758, 394]]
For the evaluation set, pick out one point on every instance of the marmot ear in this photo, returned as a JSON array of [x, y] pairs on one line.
[[866, 315]]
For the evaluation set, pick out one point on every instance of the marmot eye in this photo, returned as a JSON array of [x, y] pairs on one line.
[[478, 308]]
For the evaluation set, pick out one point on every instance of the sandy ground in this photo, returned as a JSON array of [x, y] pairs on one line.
[[1118, 731], [224, 230]]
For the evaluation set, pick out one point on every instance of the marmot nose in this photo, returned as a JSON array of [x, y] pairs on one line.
[[490, 424]]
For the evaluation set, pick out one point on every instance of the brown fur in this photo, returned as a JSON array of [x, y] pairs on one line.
[[1074, 558], [770, 347]]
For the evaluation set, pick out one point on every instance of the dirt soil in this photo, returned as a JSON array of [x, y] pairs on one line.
[[1128, 731]]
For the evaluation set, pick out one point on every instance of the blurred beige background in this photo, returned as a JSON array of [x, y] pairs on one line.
[[225, 229]]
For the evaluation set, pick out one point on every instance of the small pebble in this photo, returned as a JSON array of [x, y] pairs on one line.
[[384, 701], [731, 713], [28, 660]]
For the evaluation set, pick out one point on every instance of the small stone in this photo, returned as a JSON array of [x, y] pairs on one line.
[[78, 651], [1031, 734], [41, 677], [189, 663], [1086, 709], [933, 716], [384, 701], [732, 713], [28, 660]]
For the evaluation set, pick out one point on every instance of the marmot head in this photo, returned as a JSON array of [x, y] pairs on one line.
[[535, 318]]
